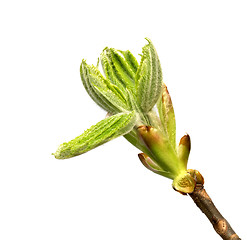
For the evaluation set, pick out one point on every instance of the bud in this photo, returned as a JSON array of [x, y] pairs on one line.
[[184, 151], [160, 150]]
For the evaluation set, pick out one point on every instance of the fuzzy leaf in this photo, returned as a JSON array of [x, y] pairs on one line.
[[119, 67], [131, 60], [167, 115], [103, 92], [104, 131], [148, 78]]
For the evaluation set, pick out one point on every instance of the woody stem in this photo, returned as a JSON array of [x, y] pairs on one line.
[[205, 203]]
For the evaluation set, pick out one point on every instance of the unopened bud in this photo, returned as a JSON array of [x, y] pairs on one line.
[[160, 149], [184, 151]]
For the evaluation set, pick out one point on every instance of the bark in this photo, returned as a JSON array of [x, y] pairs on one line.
[[205, 203]]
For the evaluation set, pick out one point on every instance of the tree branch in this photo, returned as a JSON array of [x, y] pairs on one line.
[[205, 203]]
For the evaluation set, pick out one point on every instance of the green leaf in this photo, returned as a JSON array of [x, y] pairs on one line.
[[109, 70], [120, 67], [104, 131], [167, 115], [103, 92], [148, 78], [131, 60]]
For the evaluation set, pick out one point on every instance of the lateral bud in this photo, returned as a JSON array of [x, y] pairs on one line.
[[184, 151]]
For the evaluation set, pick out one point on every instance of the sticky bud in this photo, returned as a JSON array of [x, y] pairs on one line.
[[184, 151], [160, 149], [150, 136]]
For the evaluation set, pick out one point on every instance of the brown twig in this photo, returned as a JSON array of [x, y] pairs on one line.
[[205, 203]]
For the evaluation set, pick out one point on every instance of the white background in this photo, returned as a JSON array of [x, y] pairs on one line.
[[107, 193]]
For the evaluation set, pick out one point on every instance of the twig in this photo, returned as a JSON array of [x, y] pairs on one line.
[[205, 203]]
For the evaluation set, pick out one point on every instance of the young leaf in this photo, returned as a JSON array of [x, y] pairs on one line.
[[117, 68], [167, 115], [98, 98], [103, 92], [104, 131], [109, 71], [131, 60], [148, 78]]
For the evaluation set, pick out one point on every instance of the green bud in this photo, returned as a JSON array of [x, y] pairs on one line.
[[128, 92], [160, 149], [184, 151]]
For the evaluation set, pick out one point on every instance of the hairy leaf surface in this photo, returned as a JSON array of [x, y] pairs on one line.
[[104, 131], [102, 91], [148, 78]]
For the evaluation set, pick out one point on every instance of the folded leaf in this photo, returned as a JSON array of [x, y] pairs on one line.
[[120, 67], [104, 131], [102, 91], [167, 115], [148, 78], [131, 60]]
